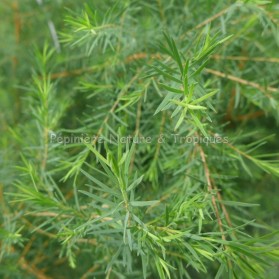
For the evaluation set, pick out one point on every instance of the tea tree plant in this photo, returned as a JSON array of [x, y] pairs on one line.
[[139, 139]]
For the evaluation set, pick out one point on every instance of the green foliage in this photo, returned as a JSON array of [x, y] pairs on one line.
[[143, 144]]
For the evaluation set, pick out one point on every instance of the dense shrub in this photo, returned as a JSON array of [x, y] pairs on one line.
[[139, 139]]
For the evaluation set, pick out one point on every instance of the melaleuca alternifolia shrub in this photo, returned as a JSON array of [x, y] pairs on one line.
[[143, 141]]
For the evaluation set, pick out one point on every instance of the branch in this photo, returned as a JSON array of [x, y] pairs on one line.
[[210, 189], [242, 81], [245, 58]]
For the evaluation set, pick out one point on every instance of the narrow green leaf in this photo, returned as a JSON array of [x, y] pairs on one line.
[[199, 124], [166, 75], [97, 154], [171, 89], [135, 183], [206, 96], [143, 203], [188, 106]]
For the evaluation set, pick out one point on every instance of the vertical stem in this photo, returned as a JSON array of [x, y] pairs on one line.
[[17, 28], [210, 189]]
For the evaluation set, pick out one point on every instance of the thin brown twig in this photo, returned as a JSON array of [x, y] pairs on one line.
[[251, 115], [210, 190], [205, 22], [230, 106], [75, 72], [32, 270], [245, 58], [17, 31], [242, 81], [210, 186], [27, 247], [90, 270], [224, 209], [17, 27]]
